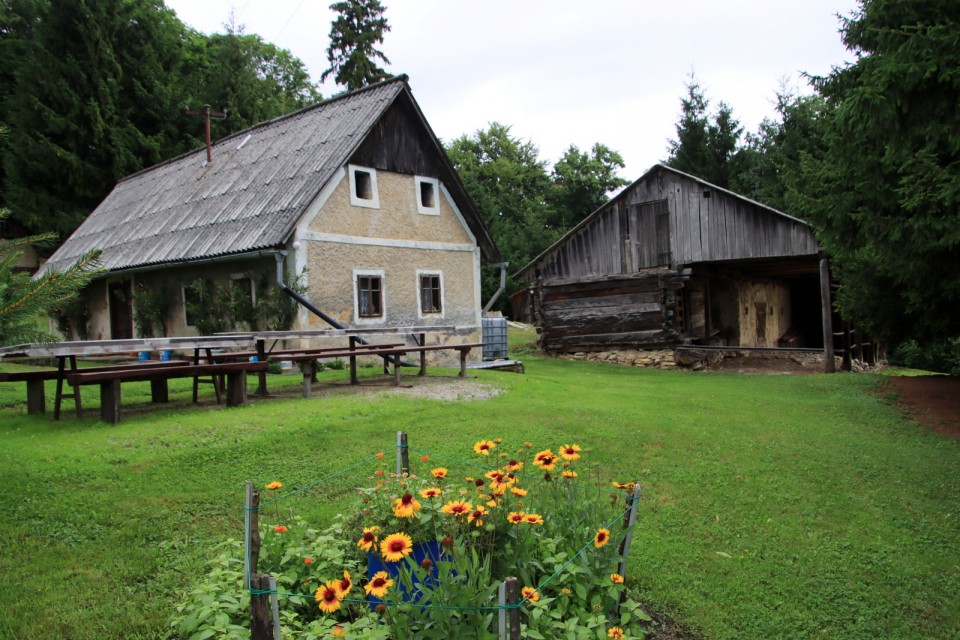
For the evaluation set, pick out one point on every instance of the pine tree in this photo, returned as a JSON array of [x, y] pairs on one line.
[[352, 54]]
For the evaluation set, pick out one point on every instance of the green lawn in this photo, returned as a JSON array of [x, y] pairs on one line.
[[774, 506]]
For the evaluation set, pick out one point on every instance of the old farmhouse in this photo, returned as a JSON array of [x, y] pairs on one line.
[[674, 260], [354, 198]]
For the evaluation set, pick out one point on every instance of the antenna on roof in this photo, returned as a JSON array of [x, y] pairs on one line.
[[207, 114]]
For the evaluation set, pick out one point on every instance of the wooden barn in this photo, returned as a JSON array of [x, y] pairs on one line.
[[674, 260]]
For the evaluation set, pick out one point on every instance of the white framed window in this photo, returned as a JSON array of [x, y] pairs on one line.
[[428, 195], [363, 187], [430, 294], [369, 299]]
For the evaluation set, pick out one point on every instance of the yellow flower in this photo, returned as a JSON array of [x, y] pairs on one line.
[[616, 578], [405, 506], [566, 591], [499, 488], [602, 538], [344, 585], [396, 547], [570, 452], [545, 460], [369, 538], [497, 440], [477, 516], [273, 486], [517, 491], [338, 632], [439, 473], [533, 518], [432, 492], [616, 633], [328, 597], [629, 486], [483, 447], [492, 503], [513, 465], [530, 594], [515, 517], [379, 584], [457, 508], [528, 444], [569, 474]]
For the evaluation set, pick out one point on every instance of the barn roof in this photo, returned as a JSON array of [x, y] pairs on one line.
[[250, 198]]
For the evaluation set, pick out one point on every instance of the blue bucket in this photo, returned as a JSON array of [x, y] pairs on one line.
[[165, 355], [421, 550], [143, 356]]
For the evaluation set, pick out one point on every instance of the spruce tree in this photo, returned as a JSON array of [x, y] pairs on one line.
[[354, 35]]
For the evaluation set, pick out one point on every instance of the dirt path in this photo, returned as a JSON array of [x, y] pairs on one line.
[[930, 400]]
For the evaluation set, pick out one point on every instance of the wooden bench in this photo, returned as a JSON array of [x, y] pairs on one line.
[[109, 381], [36, 397]]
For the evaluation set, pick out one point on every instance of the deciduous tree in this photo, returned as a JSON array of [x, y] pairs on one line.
[[582, 181]]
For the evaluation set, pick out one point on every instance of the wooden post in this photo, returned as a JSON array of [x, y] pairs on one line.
[[236, 388], [252, 526], [159, 390], [509, 623], [308, 373], [262, 376], [275, 608], [633, 501], [403, 454], [353, 361], [36, 398], [829, 366], [260, 627], [110, 401]]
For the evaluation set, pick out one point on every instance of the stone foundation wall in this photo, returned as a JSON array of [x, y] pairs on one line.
[[653, 358], [704, 360]]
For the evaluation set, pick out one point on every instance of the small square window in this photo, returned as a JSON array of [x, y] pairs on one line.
[[363, 187], [428, 195], [431, 300], [370, 296]]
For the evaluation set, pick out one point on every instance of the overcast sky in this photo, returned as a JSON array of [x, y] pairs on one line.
[[564, 72]]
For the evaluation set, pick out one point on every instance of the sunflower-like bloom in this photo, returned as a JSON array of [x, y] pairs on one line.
[[629, 486], [439, 473], [379, 584], [616, 633], [602, 538], [570, 452], [530, 594], [517, 491], [457, 508], [498, 475], [273, 486], [516, 517], [405, 506], [545, 460], [396, 547], [431, 492], [343, 585], [328, 597], [369, 538], [568, 474], [484, 447], [616, 578], [477, 516], [533, 518], [338, 632], [499, 488], [513, 465]]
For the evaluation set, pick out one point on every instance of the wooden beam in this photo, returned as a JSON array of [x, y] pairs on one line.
[[829, 366]]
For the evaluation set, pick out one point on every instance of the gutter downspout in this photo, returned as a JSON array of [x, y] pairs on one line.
[[503, 284]]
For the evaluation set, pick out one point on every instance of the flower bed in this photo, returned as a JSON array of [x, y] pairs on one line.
[[505, 512]]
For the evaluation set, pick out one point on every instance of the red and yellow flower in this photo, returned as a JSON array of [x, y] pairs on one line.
[[616, 633], [396, 547], [484, 447], [570, 452], [569, 475], [513, 465], [516, 517], [457, 508], [517, 491], [379, 584], [602, 538], [369, 538], [430, 492], [545, 459], [530, 594], [405, 506], [533, 518], [328, 597], [343, 585], [273, 486], [439, 473], [616, 578], [280, 528], [476, 517]]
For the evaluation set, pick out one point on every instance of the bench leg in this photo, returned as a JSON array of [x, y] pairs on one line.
[[463, 362], [110, 401], [308, 374], [423, 364], [36, 400], [236, 389], [396, 370], [159, 391], [261, 376]]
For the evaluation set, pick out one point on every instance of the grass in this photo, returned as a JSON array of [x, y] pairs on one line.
[[774, 506]]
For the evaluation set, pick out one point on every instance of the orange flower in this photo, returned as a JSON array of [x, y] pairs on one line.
[[533, 518], [517, 491], [439, 473], [497, 440], [380, 455], [530, 594], [328, 597], [616, 578], [424, 458], [431, 492], [343, 585], [514, 465], [569, 474], [545, 460], [378, 585], [516, 517], [477, 516], [457, 508], [396, 547], [528, 444], [602, 538], [405, 506], [616, 633], [570, 452], [369, 538], [273, 486], [308, 561], [280, 528], [379, 472], [483, 447], [338, 632], [629, 486]]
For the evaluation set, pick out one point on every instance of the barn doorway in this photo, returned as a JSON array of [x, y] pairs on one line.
[[120, 299]]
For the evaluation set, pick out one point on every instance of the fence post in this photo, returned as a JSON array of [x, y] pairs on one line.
[[275, 608], [633, 501], [260, 627], [251, 516], [509, 622], [403, 454]]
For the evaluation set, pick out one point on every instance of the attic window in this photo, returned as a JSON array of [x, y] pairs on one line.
[[363, 187], [428, 191]]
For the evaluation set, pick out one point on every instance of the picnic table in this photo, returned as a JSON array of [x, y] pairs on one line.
[[110, 377]]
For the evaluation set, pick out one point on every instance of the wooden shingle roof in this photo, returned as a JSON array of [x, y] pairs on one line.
[[250, 197]]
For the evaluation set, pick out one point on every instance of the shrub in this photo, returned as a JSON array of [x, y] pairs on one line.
[[942, 357]]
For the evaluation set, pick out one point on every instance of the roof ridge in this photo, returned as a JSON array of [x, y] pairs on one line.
[[404, 78]]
